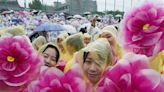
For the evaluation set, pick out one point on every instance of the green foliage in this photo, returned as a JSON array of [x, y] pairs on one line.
[[98, 13], [36, 4], [117, 12]]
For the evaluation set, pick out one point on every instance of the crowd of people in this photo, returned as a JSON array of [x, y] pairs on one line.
[[89, 54]]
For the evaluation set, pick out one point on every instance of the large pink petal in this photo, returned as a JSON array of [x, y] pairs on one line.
[[137, 62], [147, 79], [159, 46], [148, 41], [151, 39], [17, 50], [22, 53], [55, 83], [137, 37], [138, 22], [73, 80], [9, 66], [49, 75], [33, 87], [4, 75], [20, 71], [15, 82], [79, 85], [160, 87], [67, 87], [158, 21], [128, 37], [152, 13], [151, 29], [54, 71], [142, 15], [125, 81], [133, 26], [129, 24], [47, 89], [4, 51], [3, 54], [107, 85], [162, 23], [122, 67]]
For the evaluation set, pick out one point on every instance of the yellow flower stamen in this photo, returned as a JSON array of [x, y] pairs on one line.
[[10, 59], [146, 26]]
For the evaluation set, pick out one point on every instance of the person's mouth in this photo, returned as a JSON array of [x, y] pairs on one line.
[[47, 64], [92, 75]]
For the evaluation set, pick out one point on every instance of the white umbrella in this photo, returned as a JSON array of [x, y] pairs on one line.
[[87, 13], [61, 14], [77, 16], [69, 29], [118, 15]]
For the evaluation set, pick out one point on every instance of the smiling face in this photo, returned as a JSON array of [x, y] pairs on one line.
[[93, 67], [50, 57], [87, 40], [108, 36]]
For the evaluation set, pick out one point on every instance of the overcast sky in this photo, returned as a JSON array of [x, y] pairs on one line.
[[101, 4]]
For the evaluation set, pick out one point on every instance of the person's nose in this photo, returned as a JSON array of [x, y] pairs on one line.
[[47, 60], [92, 68]]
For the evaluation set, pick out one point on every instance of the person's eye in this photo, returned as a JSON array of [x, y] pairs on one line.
[[45, 55], [98, 64], [88, 61], [53, 59], [109, 36]]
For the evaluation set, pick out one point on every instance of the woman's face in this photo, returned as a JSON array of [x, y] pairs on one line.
[[87, 40], [50, 57], [39, 45], [108, 36], [93, 68]]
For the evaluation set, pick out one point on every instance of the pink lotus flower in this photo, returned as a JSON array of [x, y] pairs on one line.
[[48, 81], [143, 29], [53, 80], [19, 64], [132, 74], [73, 80]]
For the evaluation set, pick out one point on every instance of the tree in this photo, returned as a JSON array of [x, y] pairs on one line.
[[36, 4], [115, 12], [99, 13]]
